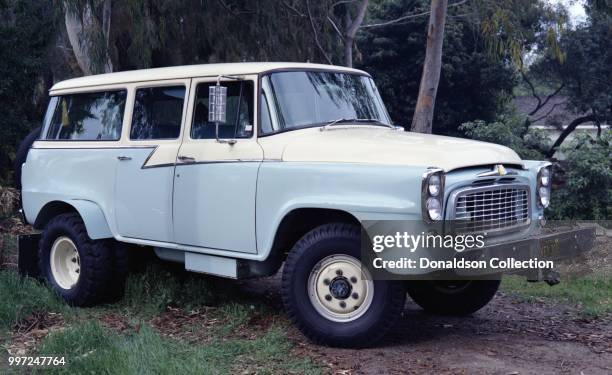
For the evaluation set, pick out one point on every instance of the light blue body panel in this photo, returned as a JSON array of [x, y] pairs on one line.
[[366, 191], [82, 178], [214, 205], [143, 198]]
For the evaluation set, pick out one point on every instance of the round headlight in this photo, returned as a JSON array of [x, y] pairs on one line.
[[434, 185], [434, 208], [545, 177], [544, 194]]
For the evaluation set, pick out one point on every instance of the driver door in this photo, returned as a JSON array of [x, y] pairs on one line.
[[214, 182]]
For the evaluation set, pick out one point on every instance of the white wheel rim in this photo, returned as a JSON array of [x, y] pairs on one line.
[[65, 262], [339, 289]]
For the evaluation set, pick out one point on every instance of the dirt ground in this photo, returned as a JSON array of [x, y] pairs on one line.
[[509, 336], [506, 337]]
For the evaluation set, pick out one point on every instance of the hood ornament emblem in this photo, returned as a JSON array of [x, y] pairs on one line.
[[498, 170]]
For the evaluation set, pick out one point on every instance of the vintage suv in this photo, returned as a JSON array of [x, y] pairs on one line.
[[236, 169]]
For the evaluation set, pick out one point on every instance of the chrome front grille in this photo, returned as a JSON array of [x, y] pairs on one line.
[[490, 208]]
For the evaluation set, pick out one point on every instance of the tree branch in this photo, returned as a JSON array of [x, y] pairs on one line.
[[567, 131], [294, 9], [361, 11], [316, 37], [403, 18], [336, 28], [552, 108]]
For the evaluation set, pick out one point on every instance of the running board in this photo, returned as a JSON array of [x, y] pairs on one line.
[[214, 265]]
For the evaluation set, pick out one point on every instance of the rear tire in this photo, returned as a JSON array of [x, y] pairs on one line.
[[323, 263], [22, 154], [453, 297], [78, 268]]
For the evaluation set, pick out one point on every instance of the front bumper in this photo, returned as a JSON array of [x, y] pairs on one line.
[[544, 248]]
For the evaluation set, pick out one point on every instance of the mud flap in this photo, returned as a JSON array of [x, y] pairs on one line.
[[28, 255]]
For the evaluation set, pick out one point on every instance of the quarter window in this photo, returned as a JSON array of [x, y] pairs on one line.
[[158, 113], [239, 112], [94, 116]]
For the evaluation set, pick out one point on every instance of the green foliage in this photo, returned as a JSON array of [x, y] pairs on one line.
[[586, 69], [21, 297], [150, 292], [511, 130], [591, 292], [587, 193], [473, 84], [587, 175], [91, 349], [25, 33]]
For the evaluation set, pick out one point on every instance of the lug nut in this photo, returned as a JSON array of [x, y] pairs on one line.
[[326, 281], [328, 297], [355, 295], [343, 304], [353, 279], [339, 272]]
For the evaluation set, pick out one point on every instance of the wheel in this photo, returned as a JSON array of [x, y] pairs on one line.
[[461, 297], [328, 295], [22, 154], [78, 268]]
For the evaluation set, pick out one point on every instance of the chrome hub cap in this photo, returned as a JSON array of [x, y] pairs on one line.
[[339, 289], [65, 262]]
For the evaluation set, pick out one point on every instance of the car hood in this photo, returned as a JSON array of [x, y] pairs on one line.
[[378, 145]]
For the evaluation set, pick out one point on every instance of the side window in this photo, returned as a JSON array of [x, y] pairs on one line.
[[158, 113], [266, 120], [239, 116], [94, 116]]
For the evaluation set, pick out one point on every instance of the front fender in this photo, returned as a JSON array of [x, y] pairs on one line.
[[365, 191]]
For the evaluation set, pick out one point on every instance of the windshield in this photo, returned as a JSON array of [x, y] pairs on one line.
[[298, 99]]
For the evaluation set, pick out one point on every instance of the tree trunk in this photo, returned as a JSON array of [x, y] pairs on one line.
[[351, 31], [423, 112], [106, 24], [567, 131], [74, 29]]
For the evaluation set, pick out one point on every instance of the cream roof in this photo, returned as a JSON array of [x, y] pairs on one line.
[[188, 71]]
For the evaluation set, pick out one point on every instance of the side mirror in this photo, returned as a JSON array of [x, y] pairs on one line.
[[217, 108], [217, 104]]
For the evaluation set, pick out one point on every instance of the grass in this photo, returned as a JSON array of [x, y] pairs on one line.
[[90, 346], [151, 291], [20, 297], [591, 293]]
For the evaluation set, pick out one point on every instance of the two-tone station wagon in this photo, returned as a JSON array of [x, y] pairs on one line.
[[236, 169]]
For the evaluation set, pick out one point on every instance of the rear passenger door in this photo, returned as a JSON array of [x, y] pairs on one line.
[[214, 186], [145, 172]]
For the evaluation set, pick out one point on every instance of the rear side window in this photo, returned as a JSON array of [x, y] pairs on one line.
[[158, 113], [96, 116]]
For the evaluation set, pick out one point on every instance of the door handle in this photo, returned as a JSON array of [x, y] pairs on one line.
[[186, 159], [124, 158]]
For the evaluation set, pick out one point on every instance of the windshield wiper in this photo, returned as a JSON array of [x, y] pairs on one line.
[[357, 120]]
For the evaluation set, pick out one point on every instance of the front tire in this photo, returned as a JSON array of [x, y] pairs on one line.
[[330, 298], [461, 297], [78, 268]]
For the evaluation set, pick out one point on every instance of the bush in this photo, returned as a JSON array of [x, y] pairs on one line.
[[584, 190], [511, 130], [587, 192]]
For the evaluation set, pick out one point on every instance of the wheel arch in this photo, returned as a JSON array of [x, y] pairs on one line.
[[91, 213], [299, 221]]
